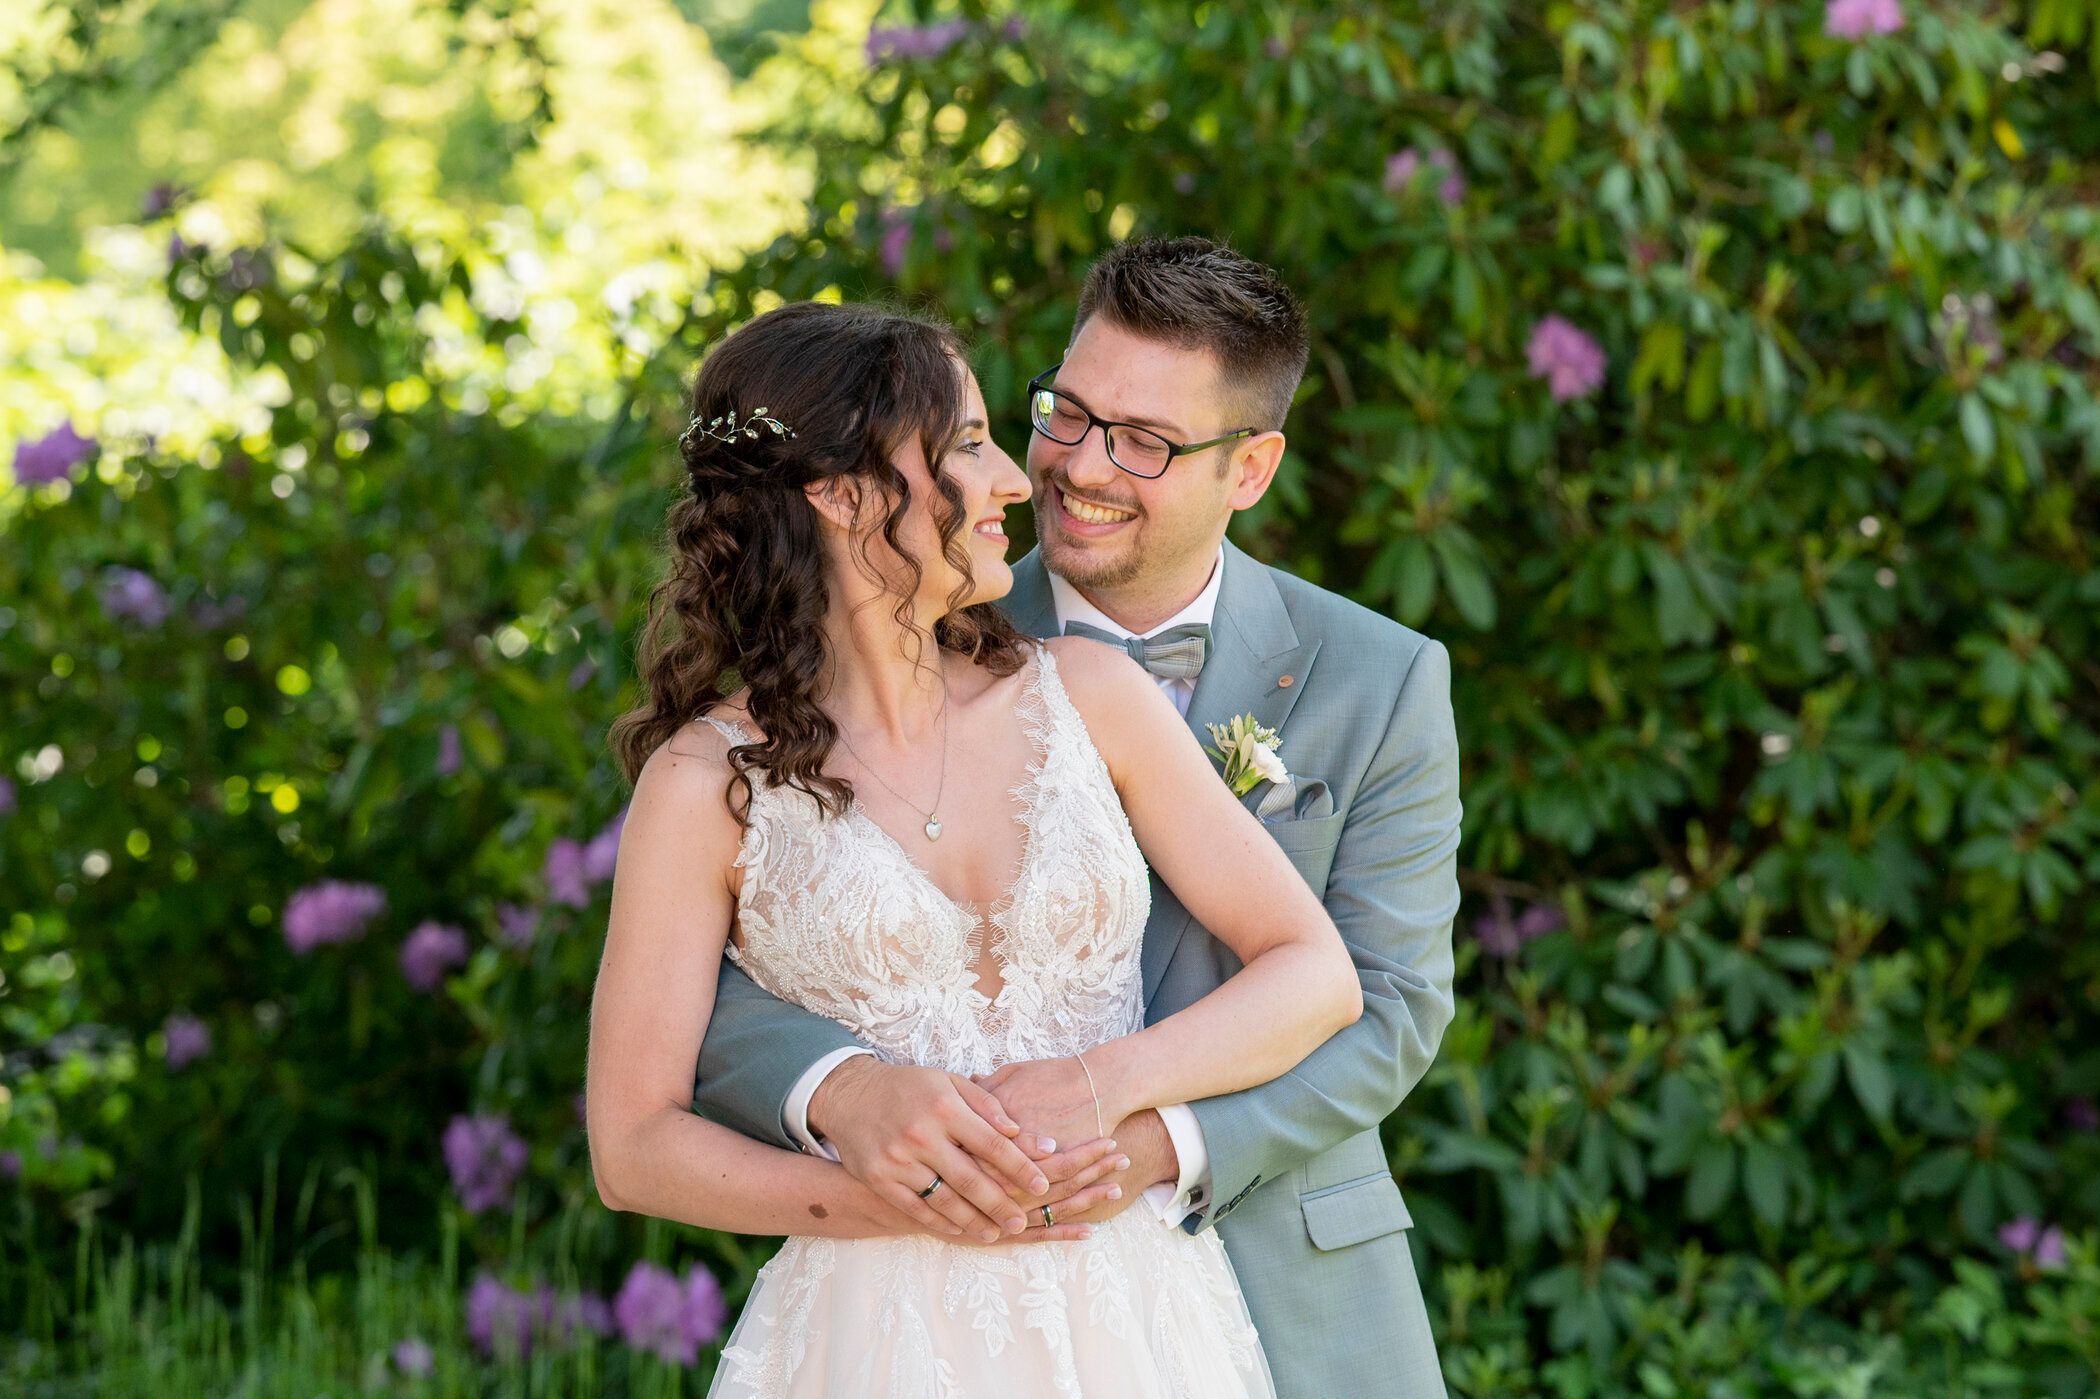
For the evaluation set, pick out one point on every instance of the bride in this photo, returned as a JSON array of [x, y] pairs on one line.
[[856, 779]]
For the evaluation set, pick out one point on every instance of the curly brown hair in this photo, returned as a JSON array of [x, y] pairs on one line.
[[745, 591]]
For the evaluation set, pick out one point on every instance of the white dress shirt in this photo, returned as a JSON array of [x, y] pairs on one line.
[[1191, 1190]]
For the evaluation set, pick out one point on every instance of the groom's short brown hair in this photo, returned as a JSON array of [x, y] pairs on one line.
[[1198, 295]]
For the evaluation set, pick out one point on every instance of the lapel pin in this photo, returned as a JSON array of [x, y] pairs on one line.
[[1285, 682]]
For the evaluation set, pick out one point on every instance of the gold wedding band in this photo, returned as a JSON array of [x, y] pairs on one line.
[[931, 1188]]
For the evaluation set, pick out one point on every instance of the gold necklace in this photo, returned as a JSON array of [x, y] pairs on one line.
[[933, 820]]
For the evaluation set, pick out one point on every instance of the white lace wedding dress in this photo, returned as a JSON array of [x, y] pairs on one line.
[[838, 919]]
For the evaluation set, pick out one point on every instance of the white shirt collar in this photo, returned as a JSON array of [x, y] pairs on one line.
[[1072, 607]]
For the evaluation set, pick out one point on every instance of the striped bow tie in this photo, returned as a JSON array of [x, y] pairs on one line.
[[1177, 653]]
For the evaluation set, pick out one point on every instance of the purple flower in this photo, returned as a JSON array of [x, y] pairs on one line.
[[485, 1158], [498, 1316], [333, 910], [188, 1038], [579, 1101], [448, 758], [2020, 1234], [1570, 360], [563, 872], [10, 1164], [7, 796], [1502, 935], [1403, 166], [566, 1316], [2079, 1112], [413, 1357], [131, 596], [915, 41], [53, 456], [430, 951], [2049, 1249], [895, 242], [651, 1310], [211, 613], [1014, 30], [160, 199], [515, 925], [1861, 19], [581, 674], [706, 1309], [604, 850]]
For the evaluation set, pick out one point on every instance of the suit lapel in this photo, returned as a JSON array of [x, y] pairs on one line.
[[1028, 603], [1253, 648]]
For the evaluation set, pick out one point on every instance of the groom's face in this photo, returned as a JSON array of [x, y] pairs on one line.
[[1101, 527]]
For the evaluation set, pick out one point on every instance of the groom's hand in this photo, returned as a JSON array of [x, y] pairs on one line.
[[895, 1127]]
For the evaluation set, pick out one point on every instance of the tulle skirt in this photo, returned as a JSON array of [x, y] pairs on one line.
[[1141, 1310]]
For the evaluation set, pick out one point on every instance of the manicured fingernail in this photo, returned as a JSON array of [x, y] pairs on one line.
[[1111, 1144], [1122, 1163], [1115, 1192], [990, 1236], [1047, 1143], [1038, 1185]]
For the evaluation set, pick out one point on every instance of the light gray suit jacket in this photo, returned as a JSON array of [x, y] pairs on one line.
[[1300, 1189]]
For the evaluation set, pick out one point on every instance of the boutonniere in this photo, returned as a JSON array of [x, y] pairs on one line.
[[1248, 752]]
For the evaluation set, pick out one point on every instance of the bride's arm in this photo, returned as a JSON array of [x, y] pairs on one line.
[[672, 907], [1298, 984]]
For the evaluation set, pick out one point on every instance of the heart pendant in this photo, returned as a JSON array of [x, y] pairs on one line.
[[933, 828]]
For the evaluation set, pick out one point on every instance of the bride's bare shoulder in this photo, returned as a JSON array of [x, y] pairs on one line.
[[685, 778]]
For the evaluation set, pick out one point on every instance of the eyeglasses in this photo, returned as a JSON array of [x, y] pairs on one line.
[[1137, 450]]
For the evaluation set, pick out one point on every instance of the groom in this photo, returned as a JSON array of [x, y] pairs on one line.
[[1162, 421]]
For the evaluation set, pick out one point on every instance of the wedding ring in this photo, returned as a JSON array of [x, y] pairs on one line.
[[1047, 1219], [931, 1188]]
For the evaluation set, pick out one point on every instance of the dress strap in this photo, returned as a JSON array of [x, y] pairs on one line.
[[729, 729]]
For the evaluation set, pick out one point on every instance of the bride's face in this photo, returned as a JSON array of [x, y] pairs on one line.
[[988, 481]]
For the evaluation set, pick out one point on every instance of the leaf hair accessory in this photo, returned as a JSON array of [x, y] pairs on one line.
[[729, 426]]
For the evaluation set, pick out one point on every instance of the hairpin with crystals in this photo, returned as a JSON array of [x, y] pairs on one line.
[[729, 426]]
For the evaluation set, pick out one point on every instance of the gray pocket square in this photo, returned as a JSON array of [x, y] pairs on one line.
[[1299, 799]]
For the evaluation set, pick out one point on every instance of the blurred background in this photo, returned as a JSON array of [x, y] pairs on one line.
[[1717, 379]]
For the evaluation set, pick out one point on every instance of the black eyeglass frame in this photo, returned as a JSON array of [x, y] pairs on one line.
[[1174, 449]]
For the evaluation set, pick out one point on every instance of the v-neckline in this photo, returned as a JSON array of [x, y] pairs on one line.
[[1029, 790]]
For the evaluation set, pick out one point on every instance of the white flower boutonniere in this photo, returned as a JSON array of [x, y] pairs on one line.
[[1248, 752]]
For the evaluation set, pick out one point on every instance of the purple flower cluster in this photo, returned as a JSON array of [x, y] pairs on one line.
[[1861, 19], [333, 910], [10, 1164], [1569, 360], [53, 456], [2027, 1238], [1402, 167], [188, 1039], [449, 756], [412, 1357], [7, 796], [1502, 935], [887, 43], [131, 596], [431, 950], [515, 924], [485, 1157], [513, 1320], [573, 867], [656, 1312]]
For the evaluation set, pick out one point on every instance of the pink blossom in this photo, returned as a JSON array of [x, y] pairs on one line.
[[412, 1357], [657, 1313], [1502, 935], [1861, 19], [895, 243], [129, 595], [430, 951], [906, 41], [2020, 1234], [53, 456], [448, 754], [706, 1310], [1403, 166], [2049, 1249], [563, 872], [330, 911], [188, 1038], [1570, 360], [485, 1158]]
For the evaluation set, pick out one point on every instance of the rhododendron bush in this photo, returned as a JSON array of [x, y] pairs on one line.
[[1716, 380]]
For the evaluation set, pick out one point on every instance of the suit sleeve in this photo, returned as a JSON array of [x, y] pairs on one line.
[[756, 1048], [1393, 892]]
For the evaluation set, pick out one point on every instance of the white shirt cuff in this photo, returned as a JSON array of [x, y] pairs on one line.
[[795, 1112], [1190, 1191]]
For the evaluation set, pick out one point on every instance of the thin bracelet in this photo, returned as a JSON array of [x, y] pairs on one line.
[[1099, 1129]]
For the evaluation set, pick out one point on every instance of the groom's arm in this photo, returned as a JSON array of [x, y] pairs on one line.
[[1393, 892], [757, 1049]]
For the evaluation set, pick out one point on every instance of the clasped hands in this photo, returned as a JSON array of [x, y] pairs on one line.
[[896, 1126]]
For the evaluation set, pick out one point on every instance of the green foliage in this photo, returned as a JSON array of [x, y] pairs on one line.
[[1773, 653]]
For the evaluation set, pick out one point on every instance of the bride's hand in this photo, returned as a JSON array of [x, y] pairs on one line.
[[1054, 1098], [896, 1126]]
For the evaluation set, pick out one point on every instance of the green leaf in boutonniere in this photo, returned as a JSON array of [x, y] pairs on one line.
[[1248, 752]]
